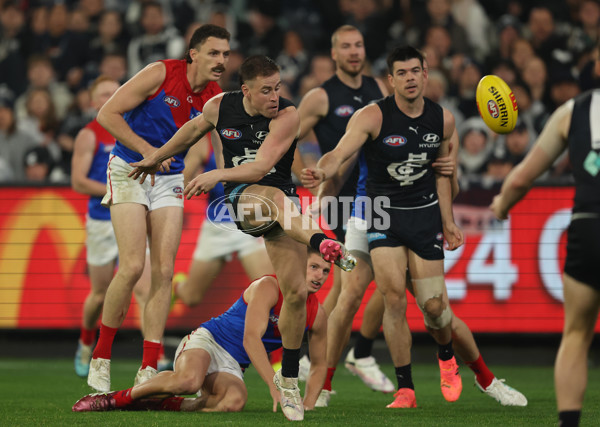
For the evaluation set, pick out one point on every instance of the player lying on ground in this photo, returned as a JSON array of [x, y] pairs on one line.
[[212, 358]]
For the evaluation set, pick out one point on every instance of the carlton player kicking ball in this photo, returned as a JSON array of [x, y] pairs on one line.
[[497, 104]]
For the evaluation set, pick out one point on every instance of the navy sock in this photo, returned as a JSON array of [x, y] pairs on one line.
[[445, 352], [404, 377], [568, 418], [363, 347], [290, 362], [316, 239]]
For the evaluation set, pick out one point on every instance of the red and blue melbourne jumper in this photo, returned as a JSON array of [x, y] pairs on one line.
[[162, 114]]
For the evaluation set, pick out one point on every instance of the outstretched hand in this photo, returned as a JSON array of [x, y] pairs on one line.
[[203, 183], [146, 167], [275, 396], [312, 177], [454, 237], [445, 165]]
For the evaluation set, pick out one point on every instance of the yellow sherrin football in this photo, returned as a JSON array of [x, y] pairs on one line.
[[497, 104]]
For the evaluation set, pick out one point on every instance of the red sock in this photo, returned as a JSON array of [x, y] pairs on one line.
[[161, 351], [87, 336], [151, 350], [104, 346], [483, 375], [327, 385], [171, 403], [123, 398], [276, 356]]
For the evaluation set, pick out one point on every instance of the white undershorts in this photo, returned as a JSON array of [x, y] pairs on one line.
[[220, 359], [100, 242], [223, 240], [356, 235], [167, 189]]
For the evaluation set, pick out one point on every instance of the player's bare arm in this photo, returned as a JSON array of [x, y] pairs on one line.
[[195, 158], [144, 84], [217, 146], [365, 123], [452, 233], [548, 147], [447, 165], [317, 348], [83, 155], [332, 186], [262, 295], [313, 107]]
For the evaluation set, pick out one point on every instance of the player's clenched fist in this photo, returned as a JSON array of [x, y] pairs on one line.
[[312, 177]]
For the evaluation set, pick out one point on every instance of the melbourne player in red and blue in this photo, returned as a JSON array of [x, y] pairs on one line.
[[213, 357], [142, 115]]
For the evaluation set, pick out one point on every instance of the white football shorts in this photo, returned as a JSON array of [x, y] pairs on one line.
[[167, 189], [100, 242], [220, 359], [356, 236], [222, 240]]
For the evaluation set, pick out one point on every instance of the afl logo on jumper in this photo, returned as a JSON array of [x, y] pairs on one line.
[[493, 109], [171, 101], [344, 111], [231, 133], [394, 140]]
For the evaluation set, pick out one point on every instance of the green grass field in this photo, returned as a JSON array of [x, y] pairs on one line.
[[41, 392]]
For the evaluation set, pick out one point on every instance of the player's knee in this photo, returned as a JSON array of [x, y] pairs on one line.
[[429, 296], [279, 199], [434, 307], [164, 270], [395, 301], [349, 302], [131, 270], [296, 296], [186, 384], [98, 298], [438, 322], [233, 402]]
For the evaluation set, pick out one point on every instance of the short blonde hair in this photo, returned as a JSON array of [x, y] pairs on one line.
[[100, 79], [342, 29]]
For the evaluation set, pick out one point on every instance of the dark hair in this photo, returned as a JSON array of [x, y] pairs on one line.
[[203, 33], [148, 4], [312, 251], [403, 53], [257, 65]]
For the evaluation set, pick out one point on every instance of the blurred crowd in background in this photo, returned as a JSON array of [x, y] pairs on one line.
[[51, 50]]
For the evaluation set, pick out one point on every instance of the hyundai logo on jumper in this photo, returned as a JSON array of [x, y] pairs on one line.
[[394, 140], [171, 101], [231, 133]]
